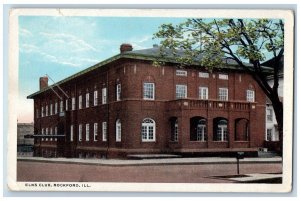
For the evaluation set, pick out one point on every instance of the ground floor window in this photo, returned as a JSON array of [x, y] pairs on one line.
[[269, 134], [220, 129], [198, 129], [118, 130], [148, 130]]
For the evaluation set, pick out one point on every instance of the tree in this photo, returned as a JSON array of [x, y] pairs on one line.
[[247, 42]]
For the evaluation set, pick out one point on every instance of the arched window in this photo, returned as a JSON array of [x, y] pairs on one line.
[[222, 134], [148, 130], [198, 129], [118, 130], [201, 130]]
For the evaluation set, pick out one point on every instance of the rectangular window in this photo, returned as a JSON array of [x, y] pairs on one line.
[[51, 109], [51, 133], [223, 76], [55, 133], [67, 105], [250, 96], [104, 131], [46, 110], [95, 131], [118, 91], [61, 106], [203, 75], [43, 132], [269, 115], [203, 93], [104, 96], [181, 91], [269, 134], [55, 112], [73, 103], [80, 133], [80, 102], [42, 112], [181, 73], [71, 133], [149, 91], [87, 132], [223, 94], [87, 100], [47, 132], [95, 98]]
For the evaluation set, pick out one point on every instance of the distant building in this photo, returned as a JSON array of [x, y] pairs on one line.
[[25, 140], [126, 105]]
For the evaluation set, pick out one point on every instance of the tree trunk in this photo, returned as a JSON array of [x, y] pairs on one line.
[[278, 109]]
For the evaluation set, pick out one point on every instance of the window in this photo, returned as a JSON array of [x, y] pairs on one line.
[[80, 132], [87, 132], [149, 91], [223, 94], [51, 109], [51, 133], [174, 131], [201, 130], [104, 131], [43, 132], [222, 134], [73, 103], [104, 96], [148, 130], [95, 98], [71, 133], [95, 131], [67, 105], [250, 95], [118, 130], [47, 132], [203, 75], [46, 110], [223, 76], [61, 106], [118, 92], [37, 113], [87, 100], [181, 91], [80, 102], [55, 112], [269, 115], [181, 72], [42, 112], [55, 133], [269, 134], [203, 93]]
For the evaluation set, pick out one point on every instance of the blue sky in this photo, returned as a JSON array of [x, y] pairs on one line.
[[62, 46]]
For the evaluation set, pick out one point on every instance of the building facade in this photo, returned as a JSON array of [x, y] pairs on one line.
[[126, 105]]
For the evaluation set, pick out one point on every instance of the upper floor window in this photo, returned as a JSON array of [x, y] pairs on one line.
[[73, 103], [203, 75], [223, 94], [223, 76], [71, 133], [181, 72], [148, 130], [61, 106], [104, 131], [51, 109], [118, 92], [87, 132], [203, 93], [181, 91], [95, 98], [148, 91], [250, 95], [67, 105], [47, 132], [80, 132], [42, 112], [87, 100], [55, 108], [269, 115], [80, 102], [55, 130], [46, 110], [95, 131], [118, 130], [104, 96]]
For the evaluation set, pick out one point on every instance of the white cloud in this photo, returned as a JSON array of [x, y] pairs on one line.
[[25, 32]]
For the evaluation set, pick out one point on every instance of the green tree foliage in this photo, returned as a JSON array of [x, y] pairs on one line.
[[245, 41]]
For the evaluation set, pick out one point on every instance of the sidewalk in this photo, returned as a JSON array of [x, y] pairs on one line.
[[166, 161]]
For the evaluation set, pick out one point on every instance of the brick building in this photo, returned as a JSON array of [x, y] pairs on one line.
[[126, 105]]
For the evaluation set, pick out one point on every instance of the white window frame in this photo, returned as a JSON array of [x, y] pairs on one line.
[[43, 132], [61, 106], [51, 132], [203, 93], [147, 125], [104, 95], [223, 94], [51, 109], [87, 132], [148, 91], [118, 130], [271, 134], [95, 98], [270, 115], [73, 103], [55, 132], [55, 107], [66, 104], [203, 75], [181, 91], [46, 110], [47, 130], [87, 100], [223, 76], [42, 112], [80, 102], [250, 95], [104, 131], [118, 92], [80, 132], [72, 133], [95, 132], [181, 73]]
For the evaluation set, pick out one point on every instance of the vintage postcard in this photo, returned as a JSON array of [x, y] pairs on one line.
[[150, 100]]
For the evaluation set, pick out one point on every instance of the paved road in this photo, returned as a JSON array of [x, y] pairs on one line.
[[52, 172]]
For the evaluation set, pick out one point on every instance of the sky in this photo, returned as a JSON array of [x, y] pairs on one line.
[[61, 46]]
